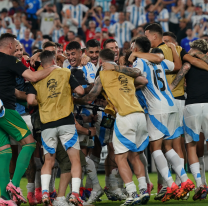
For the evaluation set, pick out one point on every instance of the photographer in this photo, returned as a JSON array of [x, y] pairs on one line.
[[47, 14]]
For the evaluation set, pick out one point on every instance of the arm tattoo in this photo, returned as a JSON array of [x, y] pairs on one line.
[[183, 71], [95, 91], [202, 56], [129, 71]]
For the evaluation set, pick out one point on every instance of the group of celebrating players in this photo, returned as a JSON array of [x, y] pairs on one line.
[[92, 97]]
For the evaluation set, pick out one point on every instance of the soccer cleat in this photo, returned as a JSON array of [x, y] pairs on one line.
[[31, 198], [109, 195], [200, 193], [7, 202], [46, 198], [16, 191], [144, 196], [159, 187], [60, 202], [150, 187], [75, 199], [161, 193], [170, 192], [52, 195], [95, 195], [133, 199], [118, 194], [38, 195], [186, 187], [186, 197]]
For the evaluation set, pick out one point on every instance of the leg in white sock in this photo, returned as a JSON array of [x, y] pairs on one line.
[[45, 180], [196, 173], [76, 185]]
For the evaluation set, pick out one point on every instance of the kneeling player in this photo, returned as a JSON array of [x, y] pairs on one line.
[[55, 107]]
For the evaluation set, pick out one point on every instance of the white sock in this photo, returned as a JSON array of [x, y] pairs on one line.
[[178, 180], [177, 164], [92, 173], [96, 160], [202, 170], [113, 179], [53, 178], [145, 163], [45, 180], [30, 187], [142, 183], [162, 166], [61, 198], [76, 184], [130, 187], [37, 179], [88, 183], [196, 173], [107, 183]]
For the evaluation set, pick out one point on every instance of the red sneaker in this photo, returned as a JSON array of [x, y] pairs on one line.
[[186, 187], [150, 187], [170, 192], [46, 198], [7, 202], [159, 187], [31, 198], [75, 199], [38, 195], [16, 191]]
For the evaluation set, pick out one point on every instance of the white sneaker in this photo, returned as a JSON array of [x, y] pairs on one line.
[[87, 204], [95, 195], [61, 201], [118, 194]]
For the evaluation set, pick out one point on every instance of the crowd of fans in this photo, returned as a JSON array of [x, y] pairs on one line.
[[36, 21]]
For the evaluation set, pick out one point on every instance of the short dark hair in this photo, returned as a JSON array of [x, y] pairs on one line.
[[154, 28], [143, 43], [71, 32], [170, 34], [47, 56], [92, 43], [5, 37], [48, 43], [204, 35], [108, 41], [58, 45], [73, 45], [107, 54], [25, 53]]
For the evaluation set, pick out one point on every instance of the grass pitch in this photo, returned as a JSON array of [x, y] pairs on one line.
[[153, 178]]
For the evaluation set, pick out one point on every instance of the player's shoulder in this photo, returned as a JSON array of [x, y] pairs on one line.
[[91, 66]]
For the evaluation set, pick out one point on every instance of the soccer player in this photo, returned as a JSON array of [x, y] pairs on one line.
[[162, 119], [57, 121], [195, 112], [12, 123], [132, 138]]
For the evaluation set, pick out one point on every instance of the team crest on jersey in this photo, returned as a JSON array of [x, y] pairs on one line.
[[52, 86], [92, 76], [124, 83]]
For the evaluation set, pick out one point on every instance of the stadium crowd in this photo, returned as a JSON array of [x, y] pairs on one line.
[[79, 75]]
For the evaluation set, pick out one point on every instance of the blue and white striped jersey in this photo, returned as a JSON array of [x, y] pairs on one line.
[[89, 71], [164, 14], [142, 20], [57, 33], [20, 33], [114, 17], [2, 30], [76, 12], [156, 95], [135, 14], [122, 32], [105, 4]]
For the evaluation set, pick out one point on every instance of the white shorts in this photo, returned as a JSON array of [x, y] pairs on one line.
[[27, 119], [195, 120], [165, 126], [181, 105], [130, 133], [67, 135]]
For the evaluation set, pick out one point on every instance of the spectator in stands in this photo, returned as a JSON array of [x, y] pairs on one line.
[[18, 30], [135, 12], [32, 6], [107, 22], [105, 4], [70, 37], [98, 34], [163, 17], [139, 31], [205, 7], [189, 10], [195, 19], [90, 31], [77, 12], [204, 29], [79, 39], [125, 49], [6, 20], [176, 13], [56, 30], [9, 30], [2, 29], [113, 13], [151, 17], [122, 30], [47, 18], [205, 37], [185, 43], [169, 4], [15, 8], [182, 32], [39, 40], [69, 21], [63, 39], [27, 42], [26, 56]]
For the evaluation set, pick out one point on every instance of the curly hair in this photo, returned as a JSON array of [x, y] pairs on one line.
[[200, 44]]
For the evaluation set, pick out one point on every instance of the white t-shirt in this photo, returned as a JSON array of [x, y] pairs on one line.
[[47, 20], [156, 94]]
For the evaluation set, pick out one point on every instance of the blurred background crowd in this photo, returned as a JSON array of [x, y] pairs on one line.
[[63, 21]]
